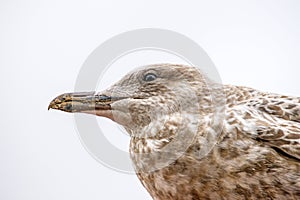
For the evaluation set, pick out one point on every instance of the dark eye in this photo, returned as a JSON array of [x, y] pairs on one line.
[[150, 77]]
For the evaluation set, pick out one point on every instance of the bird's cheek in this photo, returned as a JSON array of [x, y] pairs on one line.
[[122, 118]]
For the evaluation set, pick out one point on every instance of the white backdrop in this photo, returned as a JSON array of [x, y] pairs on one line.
[[44, 43]]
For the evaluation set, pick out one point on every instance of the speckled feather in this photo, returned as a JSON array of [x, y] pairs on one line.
[[256, 157]]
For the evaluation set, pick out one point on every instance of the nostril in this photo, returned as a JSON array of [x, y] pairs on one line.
[[68, 107], [104, 98]]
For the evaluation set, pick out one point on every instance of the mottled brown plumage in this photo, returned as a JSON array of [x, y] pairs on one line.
[[194, 139]]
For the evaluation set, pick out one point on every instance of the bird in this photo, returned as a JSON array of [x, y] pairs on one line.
[[193, 138]]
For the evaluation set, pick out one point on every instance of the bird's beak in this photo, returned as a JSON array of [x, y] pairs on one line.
[[85, 102]]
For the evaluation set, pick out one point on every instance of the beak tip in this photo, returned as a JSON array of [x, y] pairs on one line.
[[50, 105], [54, 103]]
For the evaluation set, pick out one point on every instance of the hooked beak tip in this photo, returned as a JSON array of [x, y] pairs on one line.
[[50, 105], [56, 103], [53, 104]]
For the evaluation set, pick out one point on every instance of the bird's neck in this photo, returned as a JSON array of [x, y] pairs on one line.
[[158, 133], [164, 141]]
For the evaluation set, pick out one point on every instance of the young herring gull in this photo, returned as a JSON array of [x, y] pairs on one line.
[[192, 138]]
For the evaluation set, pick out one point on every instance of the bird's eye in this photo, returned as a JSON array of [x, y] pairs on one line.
[[150, 77]]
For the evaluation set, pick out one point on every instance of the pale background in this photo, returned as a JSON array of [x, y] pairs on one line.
[[44, 43]]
